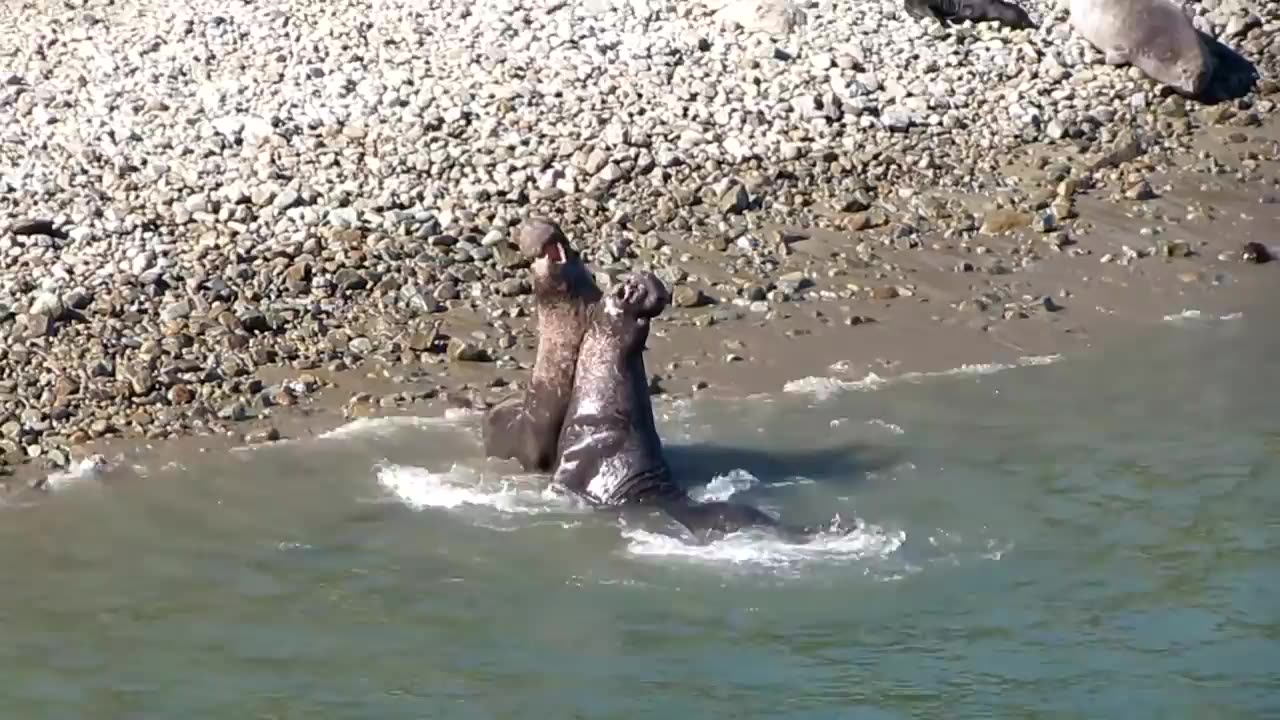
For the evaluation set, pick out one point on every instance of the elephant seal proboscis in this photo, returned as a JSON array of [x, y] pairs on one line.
[[527, 428], [1155, 36], [609, 450]]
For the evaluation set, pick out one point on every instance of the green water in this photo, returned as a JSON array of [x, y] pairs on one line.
[[1096, 538]]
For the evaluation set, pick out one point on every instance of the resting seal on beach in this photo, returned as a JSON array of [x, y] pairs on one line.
[[609, 450], [1005, 13], [1155, 36], [527, 428]]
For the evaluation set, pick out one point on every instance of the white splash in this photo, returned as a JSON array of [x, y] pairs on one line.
[[891, 427], [723, 487], [955, 549], [89, 468], [382, 426], [763, 550], [824, 387], [1192, 314], [461, 486]]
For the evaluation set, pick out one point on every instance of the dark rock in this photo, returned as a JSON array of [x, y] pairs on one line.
[[254, 320], [265, 435], [1256, 253], [37, 226], [348, 279]]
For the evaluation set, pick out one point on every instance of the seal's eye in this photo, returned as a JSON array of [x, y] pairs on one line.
[[553, 252]]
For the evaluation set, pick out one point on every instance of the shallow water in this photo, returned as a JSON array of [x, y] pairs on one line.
[[1093, 537]]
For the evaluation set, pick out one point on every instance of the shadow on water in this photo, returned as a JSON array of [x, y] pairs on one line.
[[1234, 76], [694, 465]]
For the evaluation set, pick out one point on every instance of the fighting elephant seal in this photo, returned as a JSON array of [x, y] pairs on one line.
[[527, 428], [1005, 13], [1155, 36], [609, 450]]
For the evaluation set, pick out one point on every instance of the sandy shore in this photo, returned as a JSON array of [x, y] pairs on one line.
[[1113, 278]]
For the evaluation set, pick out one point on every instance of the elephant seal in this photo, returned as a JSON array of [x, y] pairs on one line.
[[527, 428], [1005, 13], [609, 451], [1155, 36]]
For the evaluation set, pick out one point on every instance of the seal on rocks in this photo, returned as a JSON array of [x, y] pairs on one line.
[[527, 428], [1155, 36], [609, 451], [1005, 13]]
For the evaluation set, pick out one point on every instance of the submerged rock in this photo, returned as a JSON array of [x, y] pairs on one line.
[[1255, 253]]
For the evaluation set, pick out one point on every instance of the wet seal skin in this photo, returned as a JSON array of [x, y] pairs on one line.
[[1005, 13], [527, 428], [1155, 36], [609, 450]]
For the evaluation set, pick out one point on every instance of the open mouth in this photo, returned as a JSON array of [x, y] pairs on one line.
[[553, 252]]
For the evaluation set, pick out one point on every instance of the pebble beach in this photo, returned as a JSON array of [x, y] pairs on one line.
[[210, 210]]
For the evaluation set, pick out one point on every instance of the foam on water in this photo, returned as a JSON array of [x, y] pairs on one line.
[[762, 550], [87, 469], [1193, 314], [824, 387], [723, 487], [463, 486], [377, 426], [891, 427]]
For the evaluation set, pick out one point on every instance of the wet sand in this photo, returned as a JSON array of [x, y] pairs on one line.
[[941, 315]]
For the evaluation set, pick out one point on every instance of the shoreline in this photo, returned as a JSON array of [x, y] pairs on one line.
[[729, 350], [936, 321]]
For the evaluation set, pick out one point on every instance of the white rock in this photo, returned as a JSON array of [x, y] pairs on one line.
[[769, 16], [229, 127]]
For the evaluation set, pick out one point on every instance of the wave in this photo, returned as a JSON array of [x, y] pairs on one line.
[[462, 486], [824, 387], [1193, 314], [723, 487], [381, 426], [88, 468], [763, 550]]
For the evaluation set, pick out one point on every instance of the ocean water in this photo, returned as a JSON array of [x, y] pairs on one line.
[[1094, 536]]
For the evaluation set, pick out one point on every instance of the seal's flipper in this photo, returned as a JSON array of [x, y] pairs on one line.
[[509, 432]]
